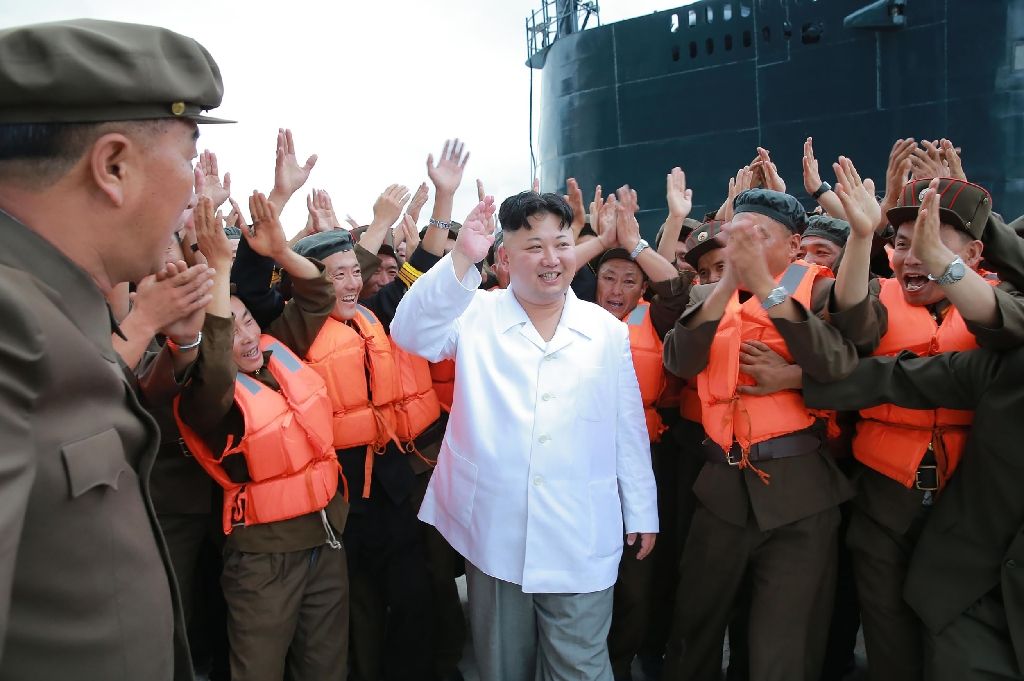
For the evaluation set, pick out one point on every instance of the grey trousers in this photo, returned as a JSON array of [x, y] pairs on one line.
[[537, 637]]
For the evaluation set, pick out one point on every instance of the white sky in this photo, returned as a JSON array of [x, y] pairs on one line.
[[371, 87]]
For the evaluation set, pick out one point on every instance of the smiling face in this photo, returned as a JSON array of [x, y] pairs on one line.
[[819, 251], [711, 266], [343, 271], [245, 349], [620, 285], [541, 259], [910, 272], [382, 277]]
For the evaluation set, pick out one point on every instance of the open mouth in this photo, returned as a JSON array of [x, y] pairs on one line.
[[615, 305], [549, 277], [914, 282], [252, 353], [349, 299]]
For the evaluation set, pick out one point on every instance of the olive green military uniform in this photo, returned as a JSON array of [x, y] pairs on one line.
[[782, 535], [887, 518], [86, 585], [965, 578], [285, 582]]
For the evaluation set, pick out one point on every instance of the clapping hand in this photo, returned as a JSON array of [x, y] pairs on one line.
[[266, 235], [575, 200], [419, 199], [213, 242], [858, 199], [212, 186], [772, 180], [678, 197], [388, 206], [927, 245]]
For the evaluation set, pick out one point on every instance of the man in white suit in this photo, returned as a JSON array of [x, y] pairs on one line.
[[545, 464]]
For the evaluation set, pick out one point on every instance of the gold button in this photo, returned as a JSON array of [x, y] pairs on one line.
[[178, 108]]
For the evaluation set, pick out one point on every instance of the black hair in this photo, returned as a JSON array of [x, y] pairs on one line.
[[516, 210]]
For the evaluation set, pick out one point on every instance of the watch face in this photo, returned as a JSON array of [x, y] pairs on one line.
[[957, 270]]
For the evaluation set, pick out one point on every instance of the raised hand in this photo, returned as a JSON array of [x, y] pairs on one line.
[[388, 206], [575, 200], [321, 212], [481, 195], [678, 197], [605, 225], [595, 208], [772, 180], [351, 221], [858, 199], [744, 253], [235, 217], [627, 229], [812, 178], [289, 176], [927, 245], [408, 233], [536, 185], [266, 235], [213, 242], [926, 161], [213, 187], [475, 237], [952, 157], [447, 174], [419, 199]]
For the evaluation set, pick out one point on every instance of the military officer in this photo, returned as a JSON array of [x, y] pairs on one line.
[[97, 139]]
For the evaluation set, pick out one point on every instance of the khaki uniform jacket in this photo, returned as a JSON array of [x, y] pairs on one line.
[[800, 486], [974, 539], [86, 585]]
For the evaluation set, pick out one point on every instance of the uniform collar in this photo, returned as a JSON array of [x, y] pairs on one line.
[[574, 314], [66, 284]]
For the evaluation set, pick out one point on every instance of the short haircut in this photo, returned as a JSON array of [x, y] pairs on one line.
[[516, 210], [36, 154]]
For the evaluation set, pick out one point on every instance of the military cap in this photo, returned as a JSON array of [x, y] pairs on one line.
[[780, 207], [703, 240], [689, 224], [827, 227], [962, 204], [89, 71], [387, 249], [324, 244], [233, 232]]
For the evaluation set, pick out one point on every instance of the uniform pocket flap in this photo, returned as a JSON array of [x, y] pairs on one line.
[[96, 460]]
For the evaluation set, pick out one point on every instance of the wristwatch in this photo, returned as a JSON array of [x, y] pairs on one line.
[[635, 253], [825, 187], [955, 271], [776, 297]]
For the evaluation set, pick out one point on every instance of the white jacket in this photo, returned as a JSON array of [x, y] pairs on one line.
[[546, 460]]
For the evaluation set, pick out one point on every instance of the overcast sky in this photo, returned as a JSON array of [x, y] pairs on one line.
[[371, 87]]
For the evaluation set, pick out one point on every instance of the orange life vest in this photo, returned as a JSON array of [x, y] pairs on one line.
[[729, 416], [292, 466], [689, 403], [893, 440], [648, 362], [443, 375], [379, 392]]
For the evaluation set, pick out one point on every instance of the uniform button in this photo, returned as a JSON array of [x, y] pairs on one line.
[[538, 481], [1011, 563], [543, 439], [547, 397]]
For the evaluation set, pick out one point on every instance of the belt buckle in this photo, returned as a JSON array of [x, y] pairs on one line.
[[922, 485], [729, 456]]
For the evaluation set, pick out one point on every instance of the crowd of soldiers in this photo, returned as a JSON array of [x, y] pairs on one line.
[[216, 450]]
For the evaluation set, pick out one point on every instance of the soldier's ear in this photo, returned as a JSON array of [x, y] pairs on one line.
[[112, 163], [971, 253]]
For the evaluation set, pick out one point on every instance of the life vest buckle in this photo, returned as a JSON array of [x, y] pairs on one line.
[[926, 478]]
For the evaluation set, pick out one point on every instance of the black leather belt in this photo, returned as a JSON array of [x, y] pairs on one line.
[[782, 447]]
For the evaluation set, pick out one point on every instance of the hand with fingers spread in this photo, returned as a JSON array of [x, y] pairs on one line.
[[475, 237], [927, 243], [388, 206], [771, 373], [217, 190], [678, 197], [926, 161], [951, 155], [447, 173], [419, 199], [858, 199], [772, 180], [575, 200], [289, 176], [213, 242]]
